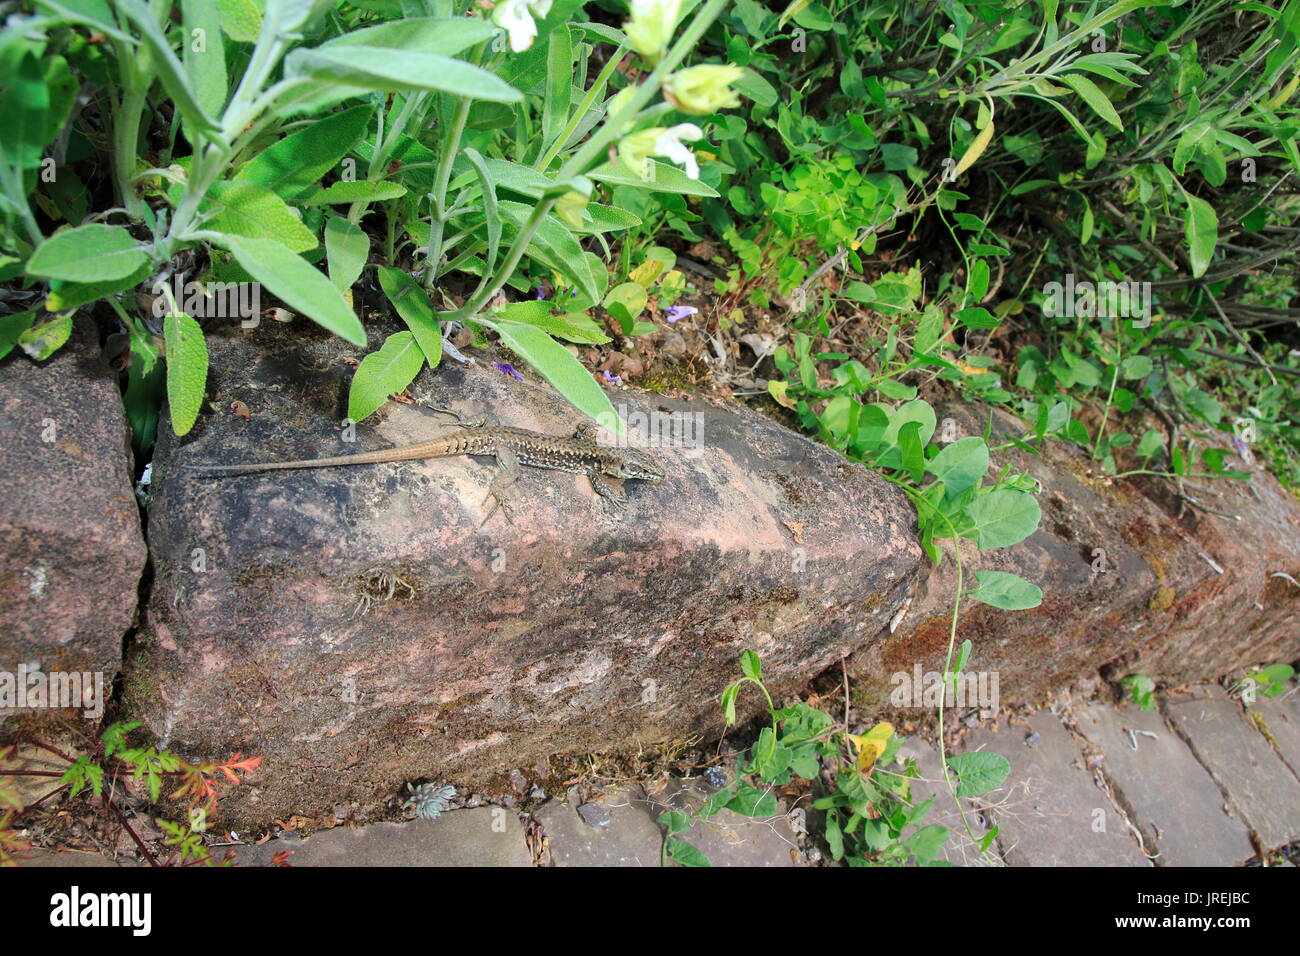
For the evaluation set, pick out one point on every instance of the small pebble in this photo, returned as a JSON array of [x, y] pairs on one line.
[[594, 815], [536, 793], [1033, 740]]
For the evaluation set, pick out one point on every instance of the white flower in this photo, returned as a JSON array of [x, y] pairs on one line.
[[515, 18], [670, 145], [637, 148], [652, 25]]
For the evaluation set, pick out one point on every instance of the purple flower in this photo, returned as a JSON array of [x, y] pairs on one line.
[[541, 292], [1239, 445], [612, 379], [678, 312], [505, 368]]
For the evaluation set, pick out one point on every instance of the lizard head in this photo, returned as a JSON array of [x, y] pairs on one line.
[[637, 466]]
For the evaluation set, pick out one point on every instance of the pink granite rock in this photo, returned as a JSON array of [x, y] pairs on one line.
[[1128, 585], [71, 551], [357, 628]]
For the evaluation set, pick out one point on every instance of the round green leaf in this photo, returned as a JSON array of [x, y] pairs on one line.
[[978, 773], [961, 465], [1003, 518], [1005, 590]]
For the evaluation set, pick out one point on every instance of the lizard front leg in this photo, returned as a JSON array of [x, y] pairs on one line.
[[602, 488], [508, 472]]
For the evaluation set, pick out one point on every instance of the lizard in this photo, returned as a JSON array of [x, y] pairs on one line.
[[511, 447]]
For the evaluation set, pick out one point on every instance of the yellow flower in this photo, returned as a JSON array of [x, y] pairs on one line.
[[652, 25], [701, 90]]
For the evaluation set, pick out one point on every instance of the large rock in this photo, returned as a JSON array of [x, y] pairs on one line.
[[357, 628], [1128, 585], [71, 551]]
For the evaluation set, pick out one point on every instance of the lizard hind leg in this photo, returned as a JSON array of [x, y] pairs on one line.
[[462, 422], [506, 476]]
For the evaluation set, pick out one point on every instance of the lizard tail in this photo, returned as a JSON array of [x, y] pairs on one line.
[[364, 458]]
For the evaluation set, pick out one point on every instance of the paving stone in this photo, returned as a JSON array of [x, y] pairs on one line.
[[960, 850], [68, 858], [1282, 718], [1170, 797], [632, 838], [1049, 807], [483, 836], [1259, 785], [727, 838]]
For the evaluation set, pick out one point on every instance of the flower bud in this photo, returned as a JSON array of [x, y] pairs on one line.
[[652, 25], [705, 89]]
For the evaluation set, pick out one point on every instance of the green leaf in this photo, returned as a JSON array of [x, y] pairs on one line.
[[241, 19], [359, 190], [187, 369], [559, 84], [296, 163], [347, 247], [1201, 230], [42, 341], [25, 106], [444, 35], [206, 68], [299, 284], [978, 773], [679, 851], [572, 326], [554, 245], [751, 666], [1093, 96], [663, 179], [412, 303], [68, 295], [492, 217], [753, 86], [625, 302], [12, 328], [1152, 444], [910, 450], [393, 70], [162, 63], [1136, 366], [383, 374], [91, 253], [1005, 590], [750, 801], [246, 208], [1003, 518], [558, 366], [961, 465]]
